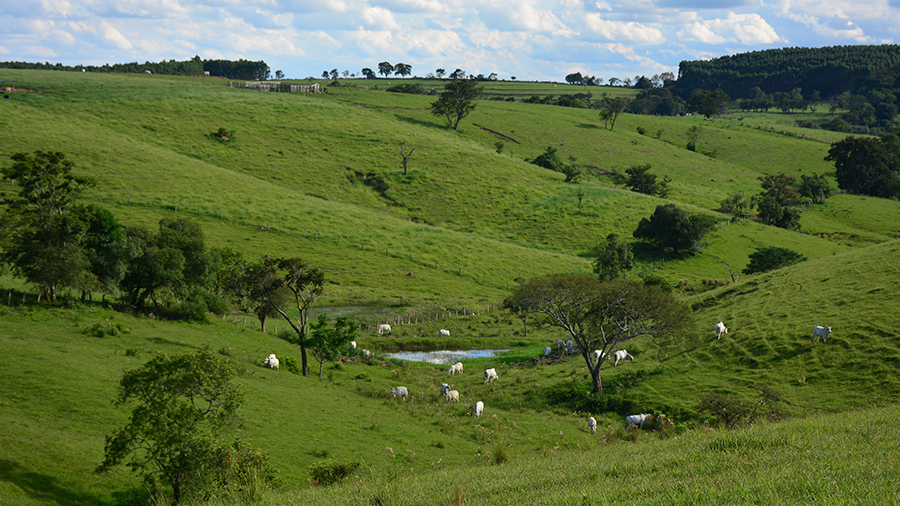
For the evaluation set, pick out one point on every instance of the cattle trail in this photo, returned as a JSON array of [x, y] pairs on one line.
[[498, 134]]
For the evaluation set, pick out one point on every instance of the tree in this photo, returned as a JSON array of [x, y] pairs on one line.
[[776, 203], [334, 74], [770, 258], [575, 78], [671, 227], [402, 69], [385, 68], [261, 283], [457, 101], [709, 103], [865, 166], [440, 73], [612, 108], [613, 258], [693, 136], [326, 342], [550, 159], [46, 225], [186, 405], [815, 188], [458, 74], [600, 315], [640, 179], [406, 157], [324, 74], [735, 204], [279, 74], [368, 73]]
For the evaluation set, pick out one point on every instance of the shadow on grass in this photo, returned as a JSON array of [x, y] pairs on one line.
[[44, 488], [163, 340], [419, 122], [589, 126]]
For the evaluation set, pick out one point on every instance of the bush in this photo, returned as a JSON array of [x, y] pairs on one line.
[[290, 363], [771, 258], [414, 89], [641, 130], [329, 472]]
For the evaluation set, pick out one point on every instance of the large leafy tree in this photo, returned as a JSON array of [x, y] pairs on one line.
[[45, 224], [777, 203], [709, 103], [671, 227], [601, 315], [458, 99], [612, 108], [184, 408], [402, 69], [385, 68], [770, 258], [266, 282], [613, 258], [866, 166], [815, 188], [640, 179]]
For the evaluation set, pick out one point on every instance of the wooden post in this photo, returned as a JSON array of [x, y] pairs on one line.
[[245, 322], [176, 208], [317, 236]]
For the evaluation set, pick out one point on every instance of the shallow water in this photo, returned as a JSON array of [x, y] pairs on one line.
[[442, 356]]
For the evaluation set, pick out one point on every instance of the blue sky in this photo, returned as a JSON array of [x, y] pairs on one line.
[[528, 39]]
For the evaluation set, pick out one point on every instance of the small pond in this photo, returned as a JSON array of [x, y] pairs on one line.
[[442, 356]]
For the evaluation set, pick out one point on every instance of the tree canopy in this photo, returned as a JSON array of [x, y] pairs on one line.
[[770, 258], [613, 258], [867, 166], [671, 227], [458, 99]]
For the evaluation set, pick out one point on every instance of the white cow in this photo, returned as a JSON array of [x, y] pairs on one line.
[[490, 375], [622, 355], [353, 344], [479, 408], [444, 333], [823, 332], [592, 424], [400, 392], [452, 395], [459, 366], [454, 369], [444, 388], [559, 344], [720, 329], [598, 354], [271, 361], [638, 420], [570, 346], [384, 327], [547, 351]]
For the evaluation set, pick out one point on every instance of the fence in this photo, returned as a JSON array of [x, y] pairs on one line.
[[276, 86]]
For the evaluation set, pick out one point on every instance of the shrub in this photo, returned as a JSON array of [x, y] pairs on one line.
[[641, 130], [414, 89], [771, 258], [290, 363], [329, 472]]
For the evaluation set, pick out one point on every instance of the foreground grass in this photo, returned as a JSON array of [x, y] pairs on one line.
[[847, 458]]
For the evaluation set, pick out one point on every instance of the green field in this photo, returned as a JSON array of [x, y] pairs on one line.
[[455, 234]]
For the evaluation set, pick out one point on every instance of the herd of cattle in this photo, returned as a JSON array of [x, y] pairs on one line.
[[490, 375]]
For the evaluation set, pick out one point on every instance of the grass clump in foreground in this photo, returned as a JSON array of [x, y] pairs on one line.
[[828, 459]]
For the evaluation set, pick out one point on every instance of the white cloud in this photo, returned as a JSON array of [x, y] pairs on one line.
[[380, 18], [648, 64], [744, 28], [114, 36], [628, 30], [61, 7], [410, 6], [521, 16]]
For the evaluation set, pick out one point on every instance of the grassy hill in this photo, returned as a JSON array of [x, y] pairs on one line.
[[466, 222]]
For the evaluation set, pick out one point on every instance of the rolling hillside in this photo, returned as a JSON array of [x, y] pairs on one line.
[[459, 229]]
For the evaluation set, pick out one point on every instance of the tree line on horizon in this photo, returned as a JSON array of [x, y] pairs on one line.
[[232, 69]]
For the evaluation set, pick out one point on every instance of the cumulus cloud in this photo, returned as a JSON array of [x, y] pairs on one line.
[[705, 4], [744, 28], [380, 18], [520, 16], [410, 6], [628, 30]]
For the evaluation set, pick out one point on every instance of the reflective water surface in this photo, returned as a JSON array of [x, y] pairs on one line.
[[442, 356]]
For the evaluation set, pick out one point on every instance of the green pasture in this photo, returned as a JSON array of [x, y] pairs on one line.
[[320, 177]]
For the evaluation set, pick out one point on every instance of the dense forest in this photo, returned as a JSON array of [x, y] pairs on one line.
[[240, 69]]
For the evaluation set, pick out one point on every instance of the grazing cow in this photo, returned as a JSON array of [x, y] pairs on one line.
[[444, 388], [547, 351], [559, 344], [445, 333], [622, 355], [479, 408], [452, 395], [823, 332], [720, 329], [353, 344], [455, 369], [384, 327], [271, 361], [592, 424], [638, 420], [570, 346], [400, 392], [460, 367], [490, 375], [598, 354]]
